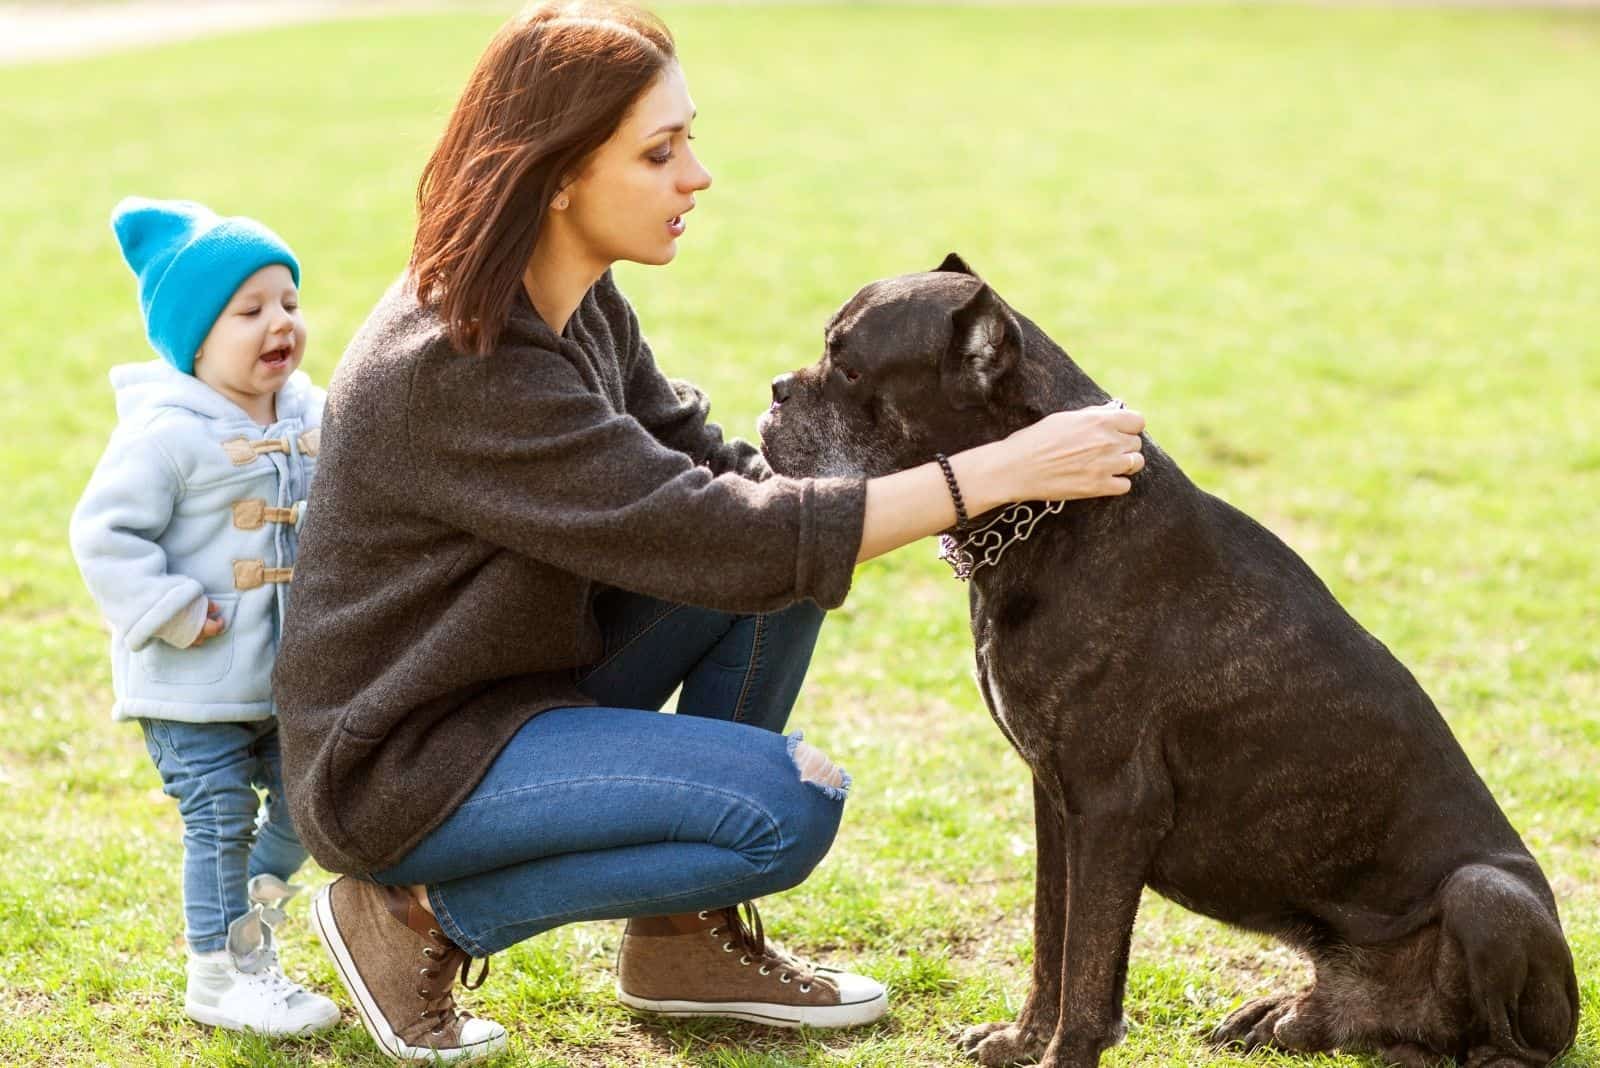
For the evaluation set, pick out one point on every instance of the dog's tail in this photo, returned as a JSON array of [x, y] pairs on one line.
[[1521, 990]]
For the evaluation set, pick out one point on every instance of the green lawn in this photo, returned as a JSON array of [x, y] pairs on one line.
[[1347, 262]]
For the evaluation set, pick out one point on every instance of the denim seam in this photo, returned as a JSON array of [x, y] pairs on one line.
[[632, 638], [211, 799], [742, 799], [750, 670], [475, 948], [568, 917], [452, 929]]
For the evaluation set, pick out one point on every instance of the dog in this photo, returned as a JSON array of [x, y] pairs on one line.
[[1200, 716]]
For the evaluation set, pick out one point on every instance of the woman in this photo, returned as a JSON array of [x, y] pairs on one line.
[[523, 538]]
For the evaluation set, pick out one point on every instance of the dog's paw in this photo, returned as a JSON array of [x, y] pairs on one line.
[[1486, 1057], [1256, 1023], [1411, 1055], [996, 1044]]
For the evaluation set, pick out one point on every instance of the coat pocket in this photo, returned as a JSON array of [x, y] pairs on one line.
[[195, 666]]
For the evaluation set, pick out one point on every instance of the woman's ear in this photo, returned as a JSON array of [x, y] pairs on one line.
[[563, 198]]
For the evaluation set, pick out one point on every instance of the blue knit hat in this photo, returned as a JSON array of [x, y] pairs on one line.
[[189, 261]]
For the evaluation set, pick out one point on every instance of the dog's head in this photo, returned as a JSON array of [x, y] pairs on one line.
[[914, 365]]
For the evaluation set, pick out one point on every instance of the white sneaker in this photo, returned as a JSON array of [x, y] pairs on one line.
[[264, 1000]]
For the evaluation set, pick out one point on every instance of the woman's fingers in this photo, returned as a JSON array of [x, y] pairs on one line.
[[1122, 463], [1123, 455], [1129, 442], [1089, 452], [1126, 420]]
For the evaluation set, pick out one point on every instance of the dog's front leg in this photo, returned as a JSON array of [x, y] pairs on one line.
[[1024, 1041], [1112, 837]]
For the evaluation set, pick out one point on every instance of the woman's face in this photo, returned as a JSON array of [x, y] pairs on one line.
[[630, 201]]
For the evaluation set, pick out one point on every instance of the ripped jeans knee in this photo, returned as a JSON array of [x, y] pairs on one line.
[[815, 768]]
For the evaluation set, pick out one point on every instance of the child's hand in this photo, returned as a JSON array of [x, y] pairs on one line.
[[211, 627]]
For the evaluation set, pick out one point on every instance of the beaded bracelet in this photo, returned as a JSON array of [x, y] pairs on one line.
[[955, 490]]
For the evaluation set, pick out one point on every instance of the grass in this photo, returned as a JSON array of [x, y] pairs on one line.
[[1343, 259]]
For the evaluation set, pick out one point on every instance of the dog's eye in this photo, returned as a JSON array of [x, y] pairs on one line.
[[850, 374]]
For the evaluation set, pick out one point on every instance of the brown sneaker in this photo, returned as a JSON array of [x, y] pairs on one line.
[[715, 963], [400, 968]]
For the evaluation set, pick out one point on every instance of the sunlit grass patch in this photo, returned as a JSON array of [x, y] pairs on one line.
[[1343, 260]]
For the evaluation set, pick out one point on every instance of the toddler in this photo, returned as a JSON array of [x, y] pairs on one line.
[[186, 539]]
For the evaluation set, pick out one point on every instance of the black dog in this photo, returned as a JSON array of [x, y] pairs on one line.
[[1200, 716]]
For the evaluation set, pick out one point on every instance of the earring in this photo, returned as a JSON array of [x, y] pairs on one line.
[[561, 202]]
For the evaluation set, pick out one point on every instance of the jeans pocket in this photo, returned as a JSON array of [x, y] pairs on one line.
[[196, 665], [152, 741]]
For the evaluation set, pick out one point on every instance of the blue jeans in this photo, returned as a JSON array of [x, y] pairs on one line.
[[229, 834], [616, 810]]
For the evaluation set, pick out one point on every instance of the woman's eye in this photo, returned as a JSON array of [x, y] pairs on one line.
[[660, 158]]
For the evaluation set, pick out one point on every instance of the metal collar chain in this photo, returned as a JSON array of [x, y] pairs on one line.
[[986, 544], [962, 556]]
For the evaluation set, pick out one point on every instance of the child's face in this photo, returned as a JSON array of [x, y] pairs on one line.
[[257, 341]]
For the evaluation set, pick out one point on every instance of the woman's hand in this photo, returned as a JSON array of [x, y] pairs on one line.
[[1090, 452]]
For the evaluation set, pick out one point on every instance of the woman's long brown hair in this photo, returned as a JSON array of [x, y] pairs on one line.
[[553, 85]]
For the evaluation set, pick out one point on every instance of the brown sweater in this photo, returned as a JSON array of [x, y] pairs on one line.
[[465, 512]]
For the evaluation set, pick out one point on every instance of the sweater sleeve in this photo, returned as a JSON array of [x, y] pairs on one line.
[[534, 460], [674, 411], [126, 507]]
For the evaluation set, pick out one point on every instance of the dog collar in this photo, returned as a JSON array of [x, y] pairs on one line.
[[963, 555], [989, 542]]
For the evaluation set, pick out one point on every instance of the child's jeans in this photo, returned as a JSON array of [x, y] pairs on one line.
[[613, 811], [229, 835]]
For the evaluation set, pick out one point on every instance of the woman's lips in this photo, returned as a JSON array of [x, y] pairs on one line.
[[676, 225]]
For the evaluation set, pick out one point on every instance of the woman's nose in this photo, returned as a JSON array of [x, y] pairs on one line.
[[698, 177]]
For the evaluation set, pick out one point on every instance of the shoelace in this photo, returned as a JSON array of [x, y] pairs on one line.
[[748, 933], [269, 975], [441, 1003]]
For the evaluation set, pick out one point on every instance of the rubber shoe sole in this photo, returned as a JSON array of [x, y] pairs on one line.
[[211, 1017], [848, 1014], [377, 1026]]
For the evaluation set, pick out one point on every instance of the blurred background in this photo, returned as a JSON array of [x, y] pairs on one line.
[[1346, 258]]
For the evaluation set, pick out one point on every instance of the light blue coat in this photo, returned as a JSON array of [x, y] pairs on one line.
[[193, 497]]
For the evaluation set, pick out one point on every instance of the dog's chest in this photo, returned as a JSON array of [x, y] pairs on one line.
[[994, 695], [1017, 643], [1014, 710]]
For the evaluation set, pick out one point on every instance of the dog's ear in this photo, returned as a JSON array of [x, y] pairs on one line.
[[985, 344], [954, 264]]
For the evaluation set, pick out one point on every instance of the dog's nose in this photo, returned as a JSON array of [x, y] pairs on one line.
[[781, 387]]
